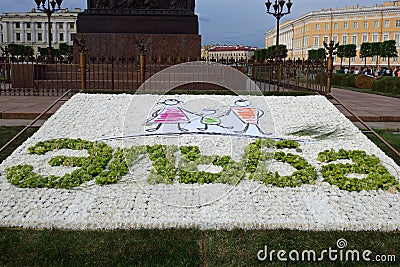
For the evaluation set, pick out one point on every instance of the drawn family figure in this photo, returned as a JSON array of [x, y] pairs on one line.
[[208, 119], [247, 114], [169, 114]]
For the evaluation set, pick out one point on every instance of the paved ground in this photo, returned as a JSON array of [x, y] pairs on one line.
[[370, 108], [378, 111]]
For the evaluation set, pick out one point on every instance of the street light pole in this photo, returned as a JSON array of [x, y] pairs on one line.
[[278, 14], [51, 7]]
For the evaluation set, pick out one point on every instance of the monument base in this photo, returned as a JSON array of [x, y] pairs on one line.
[[161, 47]]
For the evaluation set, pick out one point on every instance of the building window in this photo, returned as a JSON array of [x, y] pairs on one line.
[[365, 38], [39, 36], [29, 36], [18, 36], [70, 37], [17, 25], [395, 59], [344, 40], [39, 25], [398, 23], [397, 38], [365, 25], [28, 25], [346, 25], [355, 25], [375, 38], [386, 37], [383, 59], [61, 37], [354, 39], [72, 25], [335, 26], [60, 26], [387, 24], [326, 27], [316, 40], [376, 24], [335, 39], [326, 39]]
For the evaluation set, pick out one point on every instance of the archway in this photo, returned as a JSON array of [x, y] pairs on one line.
[[199, 72]]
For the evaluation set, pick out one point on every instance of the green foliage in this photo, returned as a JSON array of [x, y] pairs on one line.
[[347, 80], [317, 54], [163, 160], [387, 85], [270, 52], [90, 167], [346, 51], [377, 176], [388, 49], [376, 50], [20, 50], [365, 51], [65, 49], [108, 166], [232, 172]]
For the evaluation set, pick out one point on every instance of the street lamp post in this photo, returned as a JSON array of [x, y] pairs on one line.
[[278, 14], [51, 7]]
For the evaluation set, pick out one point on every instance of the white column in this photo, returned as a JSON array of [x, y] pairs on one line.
[[66, 32], [55, 32], [33, 34], [12, 32], [5, 32], [23, 33], [44, 28]]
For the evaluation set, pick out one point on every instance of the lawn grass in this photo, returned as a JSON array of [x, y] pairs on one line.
[[389, 136], [182, 247], [19, 247], [7, 133], [240, 248]]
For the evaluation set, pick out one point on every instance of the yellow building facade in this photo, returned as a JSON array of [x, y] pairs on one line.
[[346, 25]]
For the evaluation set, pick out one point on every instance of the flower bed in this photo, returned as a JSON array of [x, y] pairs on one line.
[[300, 165]]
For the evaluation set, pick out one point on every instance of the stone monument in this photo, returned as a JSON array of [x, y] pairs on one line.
[[122, 28]]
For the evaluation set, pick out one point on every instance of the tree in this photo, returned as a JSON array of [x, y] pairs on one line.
[[20, 50], [350, 50], [388, 49], [65, 49], [340, 53], [317, 54], [282, 52], [376, 50], [365, 51]]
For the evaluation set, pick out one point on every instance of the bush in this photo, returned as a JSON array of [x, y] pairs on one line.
[[347, 80], [387, 85]]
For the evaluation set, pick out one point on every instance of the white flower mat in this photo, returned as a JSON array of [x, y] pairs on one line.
[[133, 203]]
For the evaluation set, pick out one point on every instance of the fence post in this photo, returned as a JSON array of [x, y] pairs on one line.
[[142, 67], [331, 48], [81, 44], [82, 60]]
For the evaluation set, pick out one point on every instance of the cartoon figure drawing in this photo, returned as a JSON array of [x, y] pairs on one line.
[[247, 114], [169, 114], [208, 119]]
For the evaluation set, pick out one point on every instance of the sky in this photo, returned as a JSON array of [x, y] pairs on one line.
[[227, 22]]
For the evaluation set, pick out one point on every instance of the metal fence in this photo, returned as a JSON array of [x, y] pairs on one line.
[[127, 75], [290, 75]]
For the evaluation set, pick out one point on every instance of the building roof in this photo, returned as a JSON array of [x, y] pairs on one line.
[[231, 48]]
